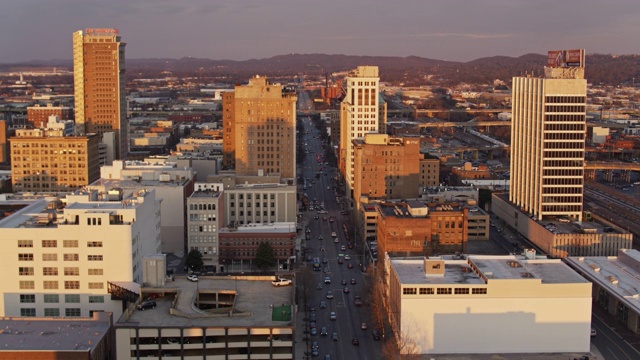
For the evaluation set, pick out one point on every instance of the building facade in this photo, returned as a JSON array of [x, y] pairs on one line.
[[260, 204], [204, 220], [38, 116], [62, 253], [498, 304], [548, 130], [99, 85], [44, 160], [259, 121], [429, 171], [359, 115]]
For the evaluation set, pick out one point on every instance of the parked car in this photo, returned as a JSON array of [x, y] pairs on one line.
[[281, 282], [192, 277], [375, 334], [145, 305]]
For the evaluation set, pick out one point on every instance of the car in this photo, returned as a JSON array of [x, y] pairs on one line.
[[325, 260], [315, 353], [321, 248], [312, 324], [332, 315], [326, 270], [312, 308], [329, 294], [353, 281], [314, 345], [340, 261], [363, 326], [350, 245], [375, 334], [357, 301], [327, 280], [313, 331], [345, 290], [308, 231], [192, 277], [344, 212], [323, 305], [331, 219], [319, 286], [355, 341], [336, 240], [281, 282], [334, 336], [593, 332], [343, 248], [320, 237], [347, 257], [350, 266], [344, 282], [323, 331], [327, 357], [145, 305], [333, 234], [309, 258], [328, 188], [316, 217], [312, 316]]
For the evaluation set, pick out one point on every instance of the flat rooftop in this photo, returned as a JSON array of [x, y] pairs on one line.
[[472, 270], [41, 334], [278, 227], [129, 184], [255, 299]]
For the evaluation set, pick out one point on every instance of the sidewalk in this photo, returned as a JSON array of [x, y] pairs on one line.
[[301, 345]]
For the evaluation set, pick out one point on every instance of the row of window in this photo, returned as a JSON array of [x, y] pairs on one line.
[[54, 257], [68, 312], [55, 298], [47, 145], [249, 204], [54, 243], [68, 271], [54, 284], [257, 196], [241, 213], [443, 291]]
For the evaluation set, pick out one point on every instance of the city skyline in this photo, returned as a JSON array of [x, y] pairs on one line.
[[245, 29]]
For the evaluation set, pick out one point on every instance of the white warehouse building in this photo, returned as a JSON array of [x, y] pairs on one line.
[[489, 304], [59, 255]]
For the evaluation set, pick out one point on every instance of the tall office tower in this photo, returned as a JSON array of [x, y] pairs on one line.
[[548, 138], [260, 129], [359, 115], [99, 86]]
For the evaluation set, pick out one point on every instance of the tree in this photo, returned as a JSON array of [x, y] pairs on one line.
[[194, 260], [401, 346], [264, 256]]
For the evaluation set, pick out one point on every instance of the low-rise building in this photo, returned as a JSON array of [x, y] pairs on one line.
[[204, 220], [488, 305]]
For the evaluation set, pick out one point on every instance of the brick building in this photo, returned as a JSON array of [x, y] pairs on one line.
[[38, 116]]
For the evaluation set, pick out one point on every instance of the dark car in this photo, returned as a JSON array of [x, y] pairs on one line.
[[344, 281], [375, 334], [355, 341], [334, 336], [313, 331], [147, 305], [353, 281], [323, 305]]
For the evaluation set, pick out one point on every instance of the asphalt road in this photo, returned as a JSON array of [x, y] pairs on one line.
[[349, 317]]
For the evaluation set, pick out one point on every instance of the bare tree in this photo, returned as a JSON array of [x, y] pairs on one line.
[[402, 346]]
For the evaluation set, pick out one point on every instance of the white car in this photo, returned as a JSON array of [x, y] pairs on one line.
[[192, 277], [281, 282]]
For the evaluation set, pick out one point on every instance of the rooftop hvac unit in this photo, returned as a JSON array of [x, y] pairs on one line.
[[164, 177]]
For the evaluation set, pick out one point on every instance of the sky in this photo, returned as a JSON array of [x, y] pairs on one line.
[[456, 30]]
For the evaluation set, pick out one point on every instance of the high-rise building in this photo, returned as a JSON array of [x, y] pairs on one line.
[[259, 129], [359, 115], [548, 138], [99, 85]]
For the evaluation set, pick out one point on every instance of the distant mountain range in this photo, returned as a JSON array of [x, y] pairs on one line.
[[411, 70]]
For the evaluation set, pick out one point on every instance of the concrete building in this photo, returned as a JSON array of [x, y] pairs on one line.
[[259, 121], [63, 254], [45, 160], [559, 237], [216, 318], [171, 183], [415, 228], [204, 221], [239, 245], [385, 168], [58, 338], [99, 85], [488, 305], [359, 115], [38, 116], [615, 282], [548, 130]]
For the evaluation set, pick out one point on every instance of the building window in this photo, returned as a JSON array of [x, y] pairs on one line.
[[444, 291], [50, 271], [51, 298], [71, 257], [96, 299], [27, 284], [27, 298], [96, 271], [25, 243], [25, 271], [94, 257], [96, 285], [25, 257], [50, 285], [73, 312], [461, 291], [70, 243], [49, 257], [72, 271], [94, 243], [29, 312], [409, 291], [51, 312], [479, 291], [72, 298], [49, 243], [71, 285], [426, 291]]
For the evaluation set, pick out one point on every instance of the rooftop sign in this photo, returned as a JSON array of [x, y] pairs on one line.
[[565, 58], [102, 32]]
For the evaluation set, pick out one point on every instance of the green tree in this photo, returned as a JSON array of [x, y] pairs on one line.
[[264, 256], [194, 260]]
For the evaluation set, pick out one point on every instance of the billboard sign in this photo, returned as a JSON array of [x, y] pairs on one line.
[[102, 32], [565, 58]]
